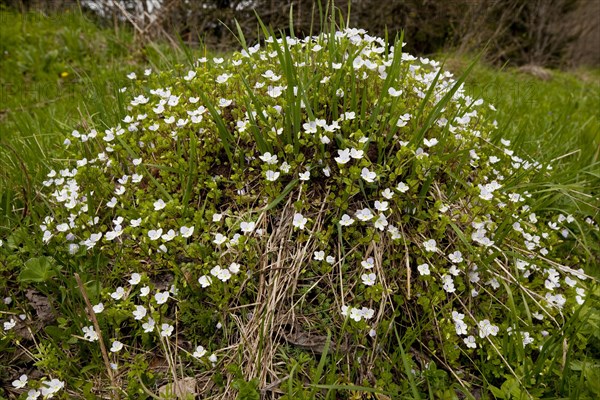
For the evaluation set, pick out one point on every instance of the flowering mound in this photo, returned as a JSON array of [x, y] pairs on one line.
[[330, 195]]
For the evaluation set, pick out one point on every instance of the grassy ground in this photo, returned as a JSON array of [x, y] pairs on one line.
[[61, 72]]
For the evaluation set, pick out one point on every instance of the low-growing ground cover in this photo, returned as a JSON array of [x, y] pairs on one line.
[[320, 218]]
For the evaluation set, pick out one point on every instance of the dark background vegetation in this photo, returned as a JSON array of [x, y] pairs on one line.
[[550, 33]]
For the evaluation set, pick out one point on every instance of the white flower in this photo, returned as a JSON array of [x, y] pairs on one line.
[[161, 297], [217, 217], [110, 235], [148, 326], [199, 352], [456, 257], [527, 339], [205, 281], [10, 324], [486, 329], [271, 75], [330, 259], [223, 78], [285, 167], [269, 158], [356, 154], [272, 175], [159, 204], [190, 75], [448, 285], [224, 275], [144, 291], [21, 382], [221, 273], [346, 220], [381, 205], [224, 102], [387, 193], [368, 176], [358, 62], [310, 127], [140, 312], [118, 294], [135, 222], [343, 156], [345, 311], [135, 278], [459, 325], [424, 269], [470, 342], [402, 187], [98, 308], [220, 239], [430, 245], [118, 221], [299, 221], [215, 270], [364, 215], [454, 270], [116, 346], [368, 279], [430, 143], [166, 330], [212, 358], [50, 387], [234, 268], [368, 263], [274, 91], [186, 232], [393, 92], [170, 235], [304, 176], [319, 255], [33, 394], [155, 234], [367, 313], [131, 75], [355, 314], [136, 178], [247, 227], [381, 222], [62, 227], [403, 120]]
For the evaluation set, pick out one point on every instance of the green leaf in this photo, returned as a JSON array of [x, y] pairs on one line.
[[40, 269], [246, 390]]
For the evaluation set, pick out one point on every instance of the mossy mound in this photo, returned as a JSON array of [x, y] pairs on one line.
[[330, 194]]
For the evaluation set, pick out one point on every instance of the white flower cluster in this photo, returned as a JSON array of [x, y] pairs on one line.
[[87, 218], [358, 314], [47, 389]]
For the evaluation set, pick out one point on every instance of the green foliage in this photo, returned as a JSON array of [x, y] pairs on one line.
[[40, 269], [246, 390]]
